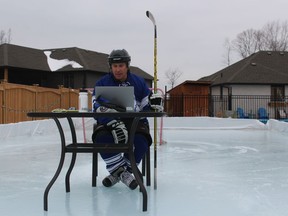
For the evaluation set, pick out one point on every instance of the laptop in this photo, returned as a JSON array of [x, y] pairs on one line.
[[118, 95]]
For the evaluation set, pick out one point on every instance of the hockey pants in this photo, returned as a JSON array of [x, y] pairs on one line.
[[115, 160]]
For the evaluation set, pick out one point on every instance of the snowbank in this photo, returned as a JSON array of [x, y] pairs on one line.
[[276, 125], [45, 127], [40, 127], [205, 123]]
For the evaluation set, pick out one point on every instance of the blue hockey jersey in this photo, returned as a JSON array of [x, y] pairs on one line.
[[141, 90]]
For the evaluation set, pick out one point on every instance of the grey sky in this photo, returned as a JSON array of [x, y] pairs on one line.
[[190, 33]]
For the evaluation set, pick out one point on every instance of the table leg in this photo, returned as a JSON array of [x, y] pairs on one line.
[[52, 182], [61, 162], [137, 174], [148, 166], [144, 165], [139, 179], [94, 169], [67, 179]]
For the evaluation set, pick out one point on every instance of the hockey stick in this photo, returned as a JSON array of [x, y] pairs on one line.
[[150, 16]]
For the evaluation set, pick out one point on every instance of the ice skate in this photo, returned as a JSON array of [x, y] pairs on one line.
[[128, 179]]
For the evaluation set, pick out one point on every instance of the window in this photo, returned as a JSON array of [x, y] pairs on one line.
[[277, 93]]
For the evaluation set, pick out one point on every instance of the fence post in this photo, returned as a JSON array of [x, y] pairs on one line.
[[60, 91], [2, 102], [35, 98], [4, 107]]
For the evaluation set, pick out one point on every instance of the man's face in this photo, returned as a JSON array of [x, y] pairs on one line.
[[119, 71]]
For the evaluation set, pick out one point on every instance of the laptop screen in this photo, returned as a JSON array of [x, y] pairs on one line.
[[118, 95]]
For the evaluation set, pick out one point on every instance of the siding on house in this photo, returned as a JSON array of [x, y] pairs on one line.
[[243, 90]]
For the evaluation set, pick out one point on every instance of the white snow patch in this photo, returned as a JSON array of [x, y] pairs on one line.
[[56, 64]]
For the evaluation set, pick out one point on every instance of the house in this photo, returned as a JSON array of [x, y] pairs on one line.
[[256, 82], [263, 75], [68, 67], [266, 72]]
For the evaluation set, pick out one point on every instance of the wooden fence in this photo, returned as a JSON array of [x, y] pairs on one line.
[[17, 100]]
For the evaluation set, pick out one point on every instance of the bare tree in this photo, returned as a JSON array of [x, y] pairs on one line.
[[227, 53], [173, 75], [5, 37], [276, 36], [2, 36], [248, 42], [273, 37]]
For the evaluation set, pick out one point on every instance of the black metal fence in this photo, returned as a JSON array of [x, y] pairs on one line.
[[236, 106]]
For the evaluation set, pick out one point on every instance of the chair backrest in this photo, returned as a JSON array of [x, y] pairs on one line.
[[262, 114], [240, 112]]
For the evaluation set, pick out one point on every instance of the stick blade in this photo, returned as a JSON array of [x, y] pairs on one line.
[[151, 17]]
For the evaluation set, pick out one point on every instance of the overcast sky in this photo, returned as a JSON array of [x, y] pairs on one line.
[[191, 33]]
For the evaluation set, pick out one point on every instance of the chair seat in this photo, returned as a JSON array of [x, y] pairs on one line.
[[94, 148]]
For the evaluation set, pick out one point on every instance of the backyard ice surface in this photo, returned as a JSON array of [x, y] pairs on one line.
[[208, 166]]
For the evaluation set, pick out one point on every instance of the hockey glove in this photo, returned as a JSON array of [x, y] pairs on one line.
[[118, 131], [103, 109], [156, 102], [105, 103]]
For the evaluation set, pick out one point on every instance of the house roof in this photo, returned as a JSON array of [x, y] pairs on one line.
[[190, 83], [36, 59], [263, 67], [193, 82], [22, 57]]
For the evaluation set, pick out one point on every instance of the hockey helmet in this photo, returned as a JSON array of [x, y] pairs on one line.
[[119, 56]]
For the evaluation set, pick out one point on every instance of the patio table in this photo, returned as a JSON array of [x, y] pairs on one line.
[[76, 147]]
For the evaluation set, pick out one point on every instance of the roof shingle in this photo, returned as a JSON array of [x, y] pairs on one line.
[[35, 59], [263, 67]]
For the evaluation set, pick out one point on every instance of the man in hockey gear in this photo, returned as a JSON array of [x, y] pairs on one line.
[[156, 101], [117, 164]]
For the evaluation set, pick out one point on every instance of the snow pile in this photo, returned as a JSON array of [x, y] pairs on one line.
[[276, 125], [40, 127], [208, 123], [56, 64], [45, 127]]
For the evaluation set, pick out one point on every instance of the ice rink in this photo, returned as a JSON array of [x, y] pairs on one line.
[[206, 167]]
